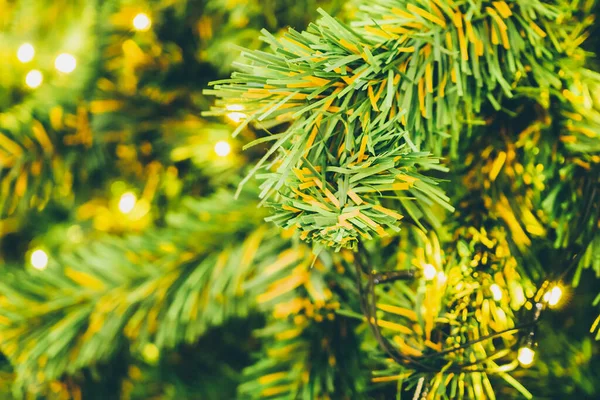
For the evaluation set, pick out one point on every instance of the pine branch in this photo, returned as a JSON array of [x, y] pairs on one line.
[[325, 180], [456, 329], [225, 26], [307, 350], [44, 132], [348, 92], [76, 312]]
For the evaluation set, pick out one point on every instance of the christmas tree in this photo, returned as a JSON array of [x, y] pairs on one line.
[[309, 199]]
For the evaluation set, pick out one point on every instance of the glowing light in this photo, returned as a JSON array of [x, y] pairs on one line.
[[222, 148], [34, 78], [25, 52], [151, 353], [429, 272], [441, 277], [65, 63], [526, 356], [142, 22], [75, 233], [235, 115], [39, 259], [127, 202], [553, 296], [517, 296], [496, 292]]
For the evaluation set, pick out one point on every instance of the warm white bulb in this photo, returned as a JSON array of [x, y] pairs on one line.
[[222, 148], [236, 116], [441, 277], [39, 259], [65, 63], [429, 272], [553, 296], [496, 292], [151, 353], [142, 22], [34, 78], [526, 356], [127, 202], [25, 52]]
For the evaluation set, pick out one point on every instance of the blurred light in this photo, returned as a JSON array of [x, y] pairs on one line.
[[142, 22], [526, 356], [65, 63], [75, 233], [235, 115], [25, 52], [518, 298], [222, 148], [553, 296], [127, 202], [34, 78], [429, 272], [441, 277], [39, 259], [151, 353], [496, 292]]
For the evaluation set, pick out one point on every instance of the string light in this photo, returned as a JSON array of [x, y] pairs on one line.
[[526, 356], [496, 292], [65, 63], [553, 296], [39, 259], [142, 22], [25, 52], [151, 353], [222, 148], [429, 272], [441, 277], [235, 115], [127, 202], [34, 78]]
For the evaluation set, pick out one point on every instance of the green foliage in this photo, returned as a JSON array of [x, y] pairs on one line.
[[84, 305], [42, 132], [473, 125], [308, 350], [339, 157], [226, 25]]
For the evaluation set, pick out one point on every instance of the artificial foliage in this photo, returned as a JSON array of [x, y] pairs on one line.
[[310, 199]]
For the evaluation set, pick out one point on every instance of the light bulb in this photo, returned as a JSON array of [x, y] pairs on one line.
[[151, 353], [222, 148], [34, 78], [429, 272], [39, 259], [65, 63], [496, 292], [235, 115], [441, 277], [142, 22], [25, 52], [553, 296], [127, 202], [526, 356]]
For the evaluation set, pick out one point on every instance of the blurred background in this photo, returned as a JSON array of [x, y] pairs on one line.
[[107, 165], [126, 265]]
